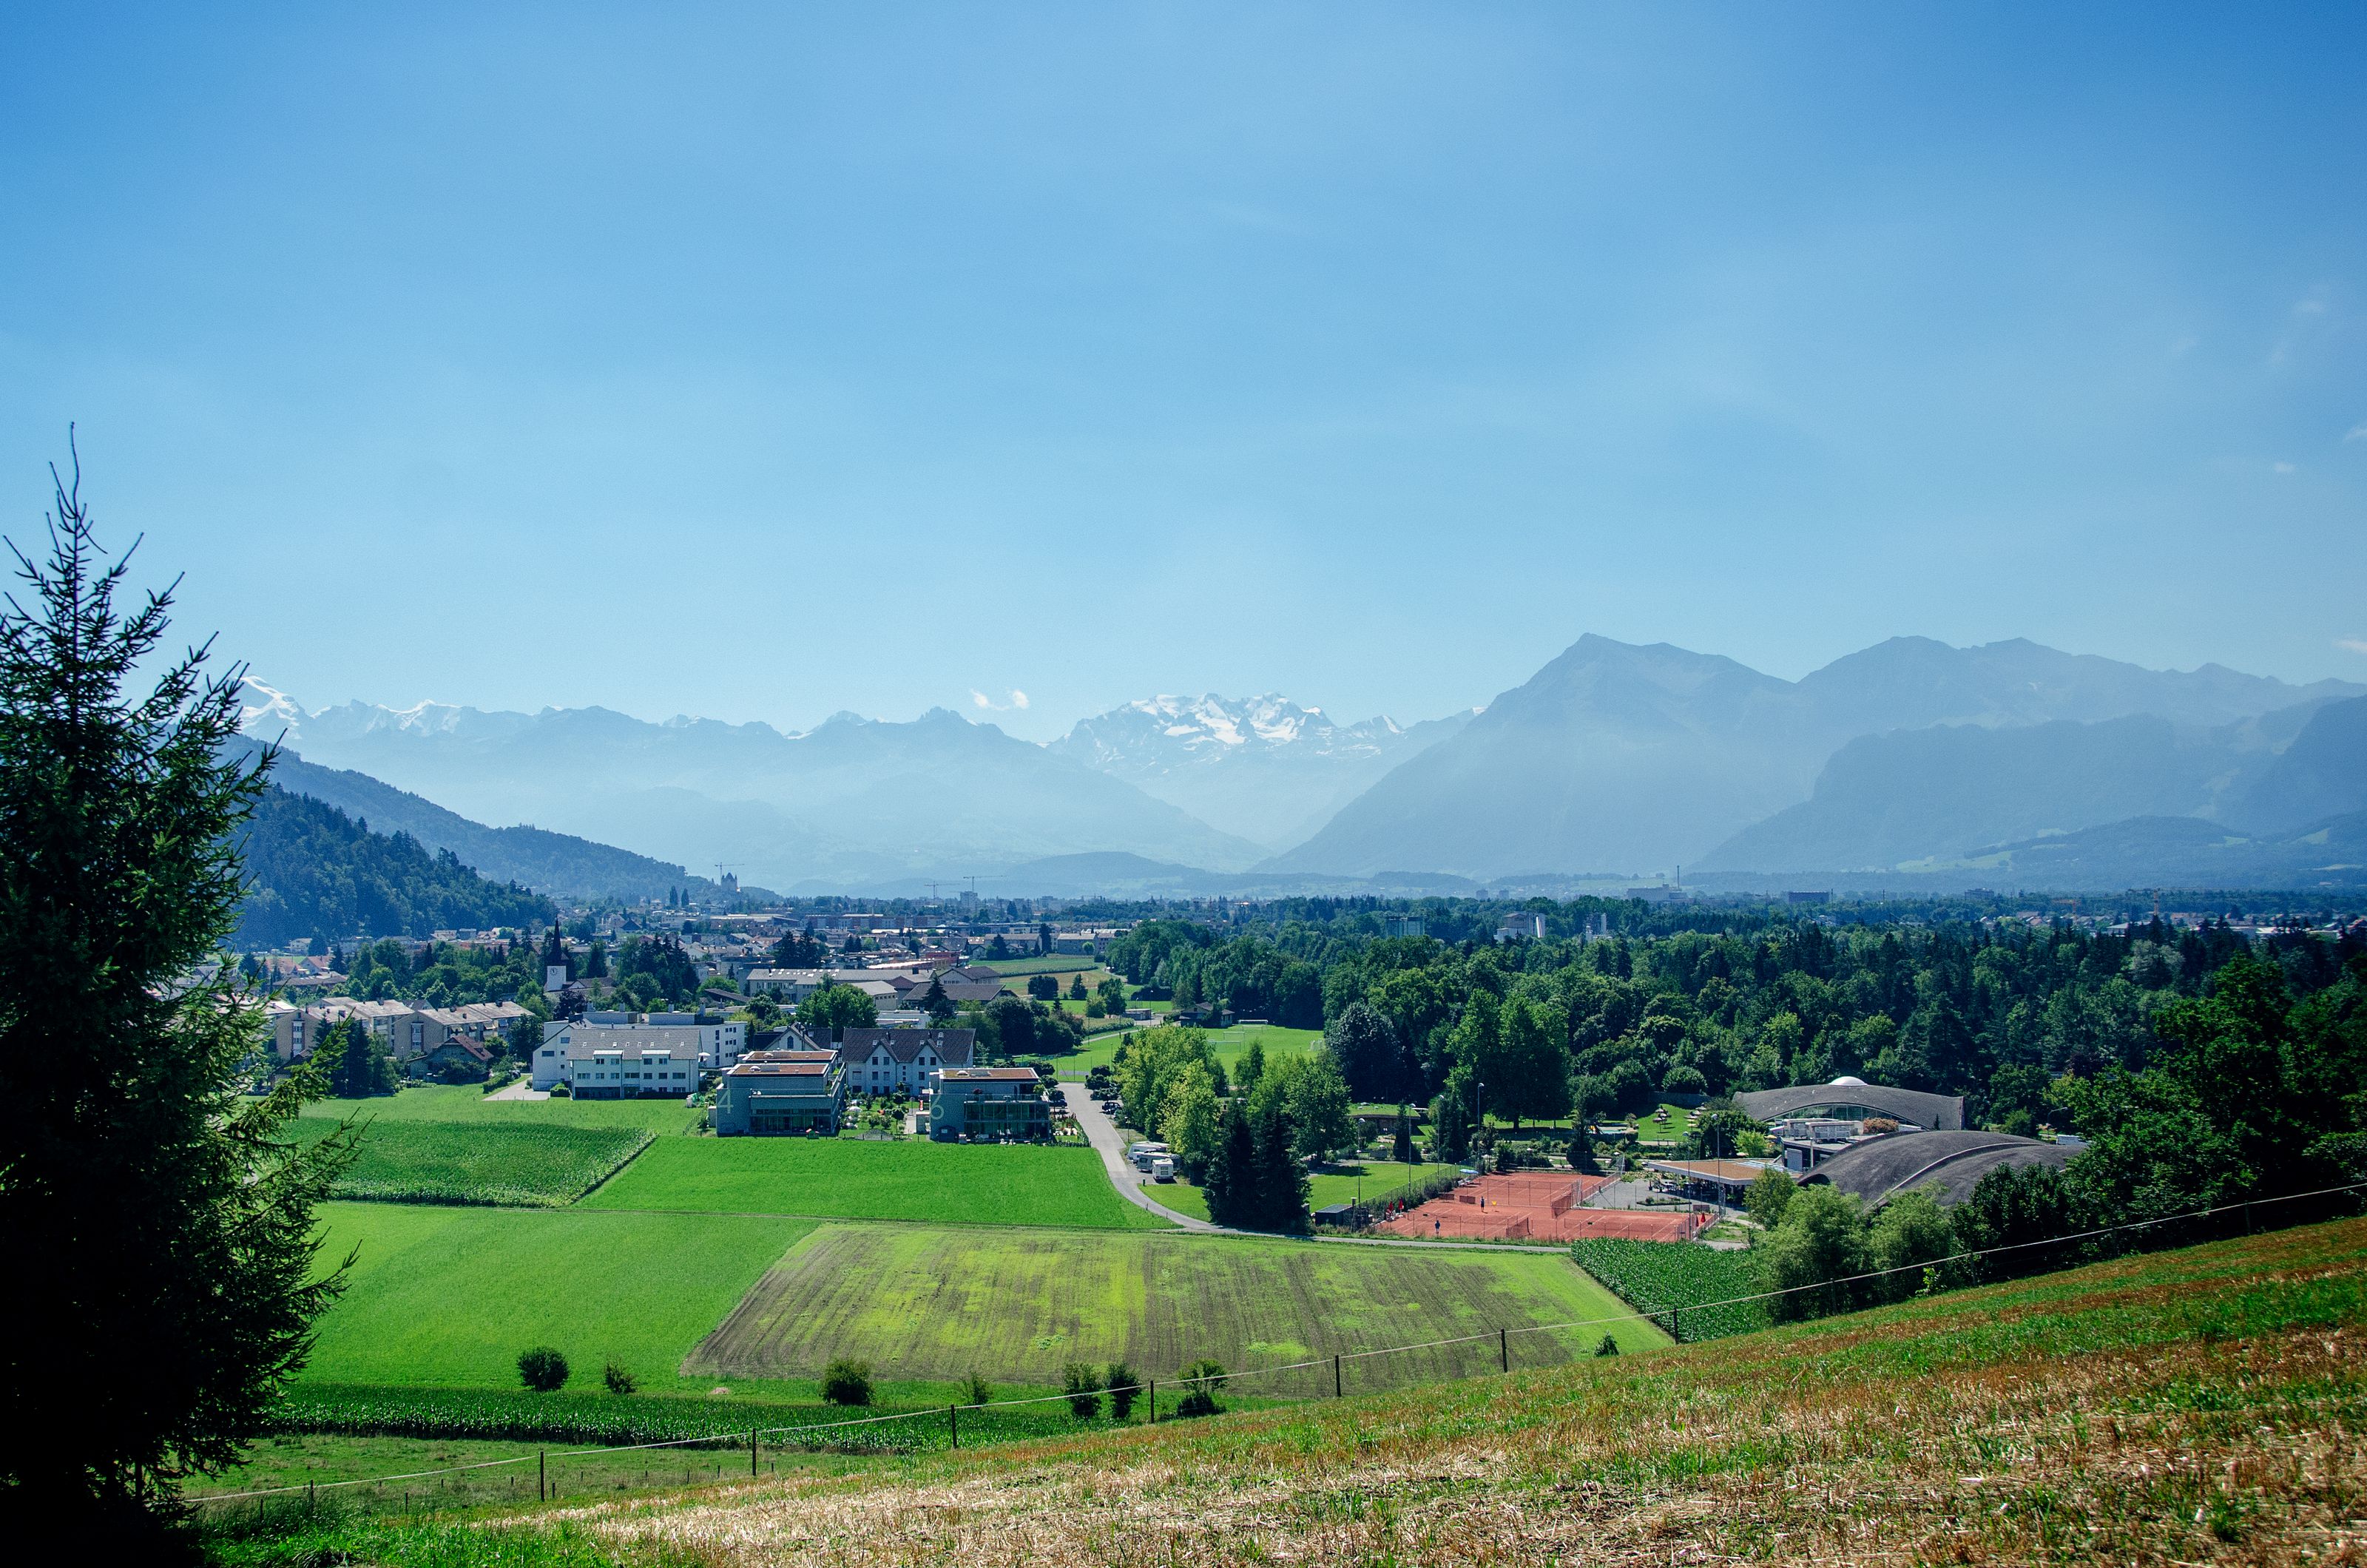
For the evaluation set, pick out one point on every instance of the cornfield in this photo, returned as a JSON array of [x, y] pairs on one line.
[[479, 1162], [1675, 1281]]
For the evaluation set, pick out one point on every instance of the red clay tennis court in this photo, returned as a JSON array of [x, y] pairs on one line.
[[1538, 1205]]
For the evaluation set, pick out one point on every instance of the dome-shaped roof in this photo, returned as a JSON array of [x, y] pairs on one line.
[[1847, 1081]]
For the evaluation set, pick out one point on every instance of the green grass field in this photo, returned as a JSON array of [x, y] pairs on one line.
[[842, 1179], [1061, 963], [1379, 1182], [466, 1102], [449, 1296], [1669, 1124], [505, 1162], [1229, 1046], [933, 1303]]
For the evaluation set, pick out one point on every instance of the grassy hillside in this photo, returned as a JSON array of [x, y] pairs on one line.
[[2183, 1407], [924, 1304], [842, 1179]]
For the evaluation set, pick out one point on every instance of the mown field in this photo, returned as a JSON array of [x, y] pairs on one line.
[[1680, 1278], [1014, 1306], [2186, 1407], [844, 1178], [447, 1297], [1668, 1125], [497, 1162], [1229, 1046]]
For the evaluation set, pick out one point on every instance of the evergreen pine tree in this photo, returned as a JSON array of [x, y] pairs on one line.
[[1281, 1182], [158, 1220], [1231, 1187]]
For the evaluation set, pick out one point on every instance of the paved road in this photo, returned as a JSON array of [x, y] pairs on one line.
[[1102, 1133], [522, 1090]]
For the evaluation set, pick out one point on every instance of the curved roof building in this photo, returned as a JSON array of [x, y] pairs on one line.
[[1854, 1100], [1875, 1172]]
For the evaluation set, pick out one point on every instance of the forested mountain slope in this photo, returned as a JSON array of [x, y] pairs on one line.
[[552, 862], [314, 872]]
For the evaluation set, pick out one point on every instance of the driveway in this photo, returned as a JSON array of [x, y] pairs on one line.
[[1102, 1133]]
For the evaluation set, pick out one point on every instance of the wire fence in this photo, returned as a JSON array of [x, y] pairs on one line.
[[944, 1424]]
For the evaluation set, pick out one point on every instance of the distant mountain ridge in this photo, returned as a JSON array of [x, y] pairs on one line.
[[1264, 768], [1620, 758], [850, 803], [1613, 760]]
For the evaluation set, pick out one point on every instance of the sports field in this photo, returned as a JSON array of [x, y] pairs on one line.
[[449, 1296], [991, 1184], [927, 1304]]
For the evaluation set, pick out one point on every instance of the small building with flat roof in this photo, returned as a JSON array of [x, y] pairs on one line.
[[791, 1093], [989, 1102]]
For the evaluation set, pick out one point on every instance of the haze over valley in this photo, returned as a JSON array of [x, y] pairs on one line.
[[1911, 760]]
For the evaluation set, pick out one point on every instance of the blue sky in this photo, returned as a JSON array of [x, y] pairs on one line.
[[760, 364]]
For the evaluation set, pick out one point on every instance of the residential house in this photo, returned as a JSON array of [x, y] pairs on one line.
[[569, 1049], [891, 1061], [989, 1102], [297, 1031], [778, 1097], [596, 1072], [789, 987]]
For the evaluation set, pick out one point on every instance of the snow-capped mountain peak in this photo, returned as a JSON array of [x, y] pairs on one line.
[[1268, 768], [267, 712]]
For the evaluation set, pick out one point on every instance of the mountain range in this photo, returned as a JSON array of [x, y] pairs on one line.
[[1618, 758], [1613, 760], [850, 803], [1265, 769]]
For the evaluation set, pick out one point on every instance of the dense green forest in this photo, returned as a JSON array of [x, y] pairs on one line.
[[1994, 1013], [314, 872]]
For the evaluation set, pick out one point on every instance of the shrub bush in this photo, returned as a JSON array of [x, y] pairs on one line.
[[1201, 1380], [981, 1390], [1125, 1386], [543, 1369], [1082, 1383], [618, 1380], [1606, 1345], [847, 1381]]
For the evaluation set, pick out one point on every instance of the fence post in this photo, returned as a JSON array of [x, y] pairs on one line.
[[953, 1423], [1504, 1347], [541, 1477], [1335, 1377], [751, 1453], [1153, 1401]]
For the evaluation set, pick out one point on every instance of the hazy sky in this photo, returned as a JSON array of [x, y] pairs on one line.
[[760, 365]]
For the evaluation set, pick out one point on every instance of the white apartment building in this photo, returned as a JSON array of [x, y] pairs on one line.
[[566, 1047]]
